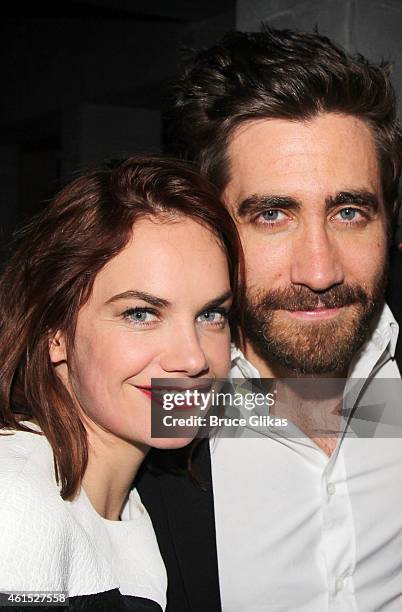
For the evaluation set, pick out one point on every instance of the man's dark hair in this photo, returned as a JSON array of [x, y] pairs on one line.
[[280, 74]]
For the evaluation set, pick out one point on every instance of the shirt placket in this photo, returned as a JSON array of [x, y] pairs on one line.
[[338, 535]]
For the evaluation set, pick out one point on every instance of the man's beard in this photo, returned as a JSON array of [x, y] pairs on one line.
[[319, 347]]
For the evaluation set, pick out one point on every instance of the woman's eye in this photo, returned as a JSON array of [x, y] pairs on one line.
[[213, 317], [140, 316]]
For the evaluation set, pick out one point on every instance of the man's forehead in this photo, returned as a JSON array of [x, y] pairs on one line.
[[314, 159], [321, 128]]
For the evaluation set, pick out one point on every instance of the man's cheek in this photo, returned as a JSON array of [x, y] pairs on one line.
[[265, 266], [364, 256]]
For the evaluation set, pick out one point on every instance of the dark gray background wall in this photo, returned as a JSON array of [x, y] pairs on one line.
[[83, 81], [370, 27]]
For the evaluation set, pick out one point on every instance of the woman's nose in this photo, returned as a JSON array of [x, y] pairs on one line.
[[184, 353]]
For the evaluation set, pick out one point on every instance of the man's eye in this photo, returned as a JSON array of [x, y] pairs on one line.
[[272, 215], [350, 214]]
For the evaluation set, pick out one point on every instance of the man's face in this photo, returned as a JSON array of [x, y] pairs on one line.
[[308, 201]]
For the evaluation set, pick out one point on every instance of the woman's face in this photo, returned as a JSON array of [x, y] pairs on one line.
[[158, 310]]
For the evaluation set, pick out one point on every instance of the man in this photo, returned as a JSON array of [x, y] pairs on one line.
[[303, 142]]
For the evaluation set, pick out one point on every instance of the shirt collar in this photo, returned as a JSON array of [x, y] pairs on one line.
[[241, 367], [386, 332]]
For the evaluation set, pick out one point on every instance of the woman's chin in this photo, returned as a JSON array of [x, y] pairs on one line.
[[170, 443]]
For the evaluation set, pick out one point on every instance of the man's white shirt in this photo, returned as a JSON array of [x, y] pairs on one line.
[[300, 531]]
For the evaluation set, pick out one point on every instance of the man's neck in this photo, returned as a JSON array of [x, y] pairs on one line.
[[313, 413]]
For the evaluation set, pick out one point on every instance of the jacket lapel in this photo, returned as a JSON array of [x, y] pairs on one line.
[[190, 515]]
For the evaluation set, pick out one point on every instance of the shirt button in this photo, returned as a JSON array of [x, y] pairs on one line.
[[331, 488], [339, 584]]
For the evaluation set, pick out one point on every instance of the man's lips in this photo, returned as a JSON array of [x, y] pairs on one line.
[[317, 314]]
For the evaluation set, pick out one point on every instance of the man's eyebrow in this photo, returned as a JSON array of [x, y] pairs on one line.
[[259, 202], [364, 198], [140, 295]]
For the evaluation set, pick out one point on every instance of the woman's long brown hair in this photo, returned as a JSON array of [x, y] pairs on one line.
[[51, 274]]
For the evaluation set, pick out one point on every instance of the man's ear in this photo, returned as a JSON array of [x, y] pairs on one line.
[[57, 348]]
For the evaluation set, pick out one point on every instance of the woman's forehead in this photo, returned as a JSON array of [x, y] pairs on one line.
[[165, 258]]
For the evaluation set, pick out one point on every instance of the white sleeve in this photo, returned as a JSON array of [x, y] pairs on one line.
[[34, 551]]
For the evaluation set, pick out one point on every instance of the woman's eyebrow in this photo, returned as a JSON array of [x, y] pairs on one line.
[[218, 300], [140, 295]]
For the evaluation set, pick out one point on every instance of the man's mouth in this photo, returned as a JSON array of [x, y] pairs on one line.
[[317, 314]]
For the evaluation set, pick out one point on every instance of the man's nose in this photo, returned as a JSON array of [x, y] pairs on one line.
[[183, 353], [316, 259]]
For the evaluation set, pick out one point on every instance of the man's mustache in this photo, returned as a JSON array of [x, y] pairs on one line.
[[303, 298]]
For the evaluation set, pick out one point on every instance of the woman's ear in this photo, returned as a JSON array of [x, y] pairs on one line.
[[57, 348]]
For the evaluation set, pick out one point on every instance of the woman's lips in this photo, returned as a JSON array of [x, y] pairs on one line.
[[145, 391], [318, 314], [157, 394], [159, 391]]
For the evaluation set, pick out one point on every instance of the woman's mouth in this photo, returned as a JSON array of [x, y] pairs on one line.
[[156, 393], [145, 390]]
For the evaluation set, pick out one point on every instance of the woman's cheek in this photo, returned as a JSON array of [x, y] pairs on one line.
[[219, 354]]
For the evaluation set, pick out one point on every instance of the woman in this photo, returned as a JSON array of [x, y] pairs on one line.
[[130, 274]]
